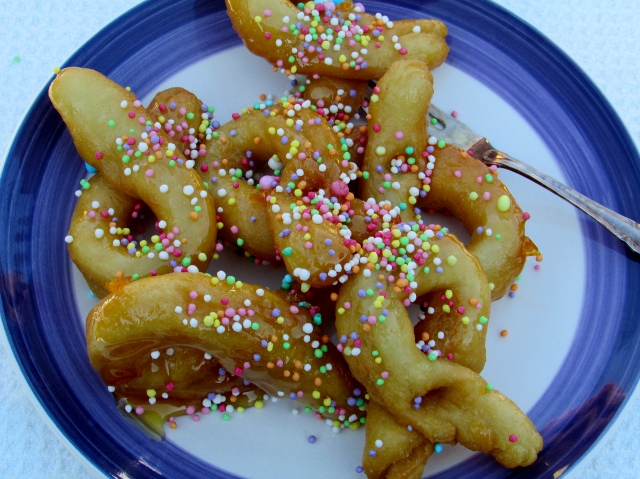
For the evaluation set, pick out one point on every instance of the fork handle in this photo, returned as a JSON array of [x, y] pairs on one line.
[[624, 228]]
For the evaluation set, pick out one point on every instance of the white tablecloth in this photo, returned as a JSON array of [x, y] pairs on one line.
[[602, 36]]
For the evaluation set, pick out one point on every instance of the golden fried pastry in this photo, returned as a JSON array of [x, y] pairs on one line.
[[341, 42], [454, 404], [251, 332], [474, 194], [416, 172], [391, 450], [113, 133]]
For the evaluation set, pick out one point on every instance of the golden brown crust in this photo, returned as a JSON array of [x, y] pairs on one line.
[[260, 24], [108, 126]]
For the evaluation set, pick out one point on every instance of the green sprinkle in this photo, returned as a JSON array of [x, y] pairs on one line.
[[231, 279], [379, 382], [111, 123], [286, 345], [318, 353], [190, 116], [255, 326], [442, 143], [432, 356], [489, 387], [240, 242], [488, 178], [226, 417], [483, 320], [16, 59], [135, 277]]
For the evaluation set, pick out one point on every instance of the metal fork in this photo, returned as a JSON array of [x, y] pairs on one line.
[[453, 131]]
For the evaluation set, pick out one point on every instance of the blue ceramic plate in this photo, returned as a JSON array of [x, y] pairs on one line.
[[560, 363]]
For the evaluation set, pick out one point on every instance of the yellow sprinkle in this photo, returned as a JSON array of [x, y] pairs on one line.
[[448, 294], [465, 320], [452, 260], [504, 203], [258, 405], [56, 70], [435, 248]]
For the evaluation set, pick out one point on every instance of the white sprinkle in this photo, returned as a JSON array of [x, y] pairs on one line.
[[68, 239], [193, 322], [162, 224], [188, 190], [155, 354], [164, 188], [99, 233]]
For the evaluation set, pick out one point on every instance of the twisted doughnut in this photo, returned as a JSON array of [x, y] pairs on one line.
[[310, 40], [414, 171], [112, 133], [400, 377], [255, 334]]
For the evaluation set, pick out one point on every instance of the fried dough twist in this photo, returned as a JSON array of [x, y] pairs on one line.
[[113, 133], [444, 401]]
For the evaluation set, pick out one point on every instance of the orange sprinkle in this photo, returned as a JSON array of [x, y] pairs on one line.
[[317, 381], [295, 376], [223, 140], [538, 258], [286, 373], [325, 339], [298, 364], [334, 296], [504, 333], [257, 140], [194, 216], [270, 365], [425, 336], [349, 196], [473, 301], [514, 287], [173, 425], [233, 399], [366, 327]]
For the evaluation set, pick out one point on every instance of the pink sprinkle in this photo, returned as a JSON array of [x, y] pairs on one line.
[[339, 188], [457, 174], [537, 267], [479, 179], [384, 374], [190, 410], [486, 196], [99, 155], [454, 114], [234, 229], [229, 312], [267, 35], [266, 182], [398, 135], [169, 387], [205, 410], [294, 309], [91, 214], [182, 111], [267, 13], [526, 216], [193, 295], [376, 128], [308, 245], [237, 371], [513, 438], [403, 51], [195, 417], [139, 410], [450, 357]]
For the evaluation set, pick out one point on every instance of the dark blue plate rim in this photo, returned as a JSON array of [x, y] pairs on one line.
[[576, 119]]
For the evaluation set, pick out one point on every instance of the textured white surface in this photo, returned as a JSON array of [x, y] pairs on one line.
[[601, 36]]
